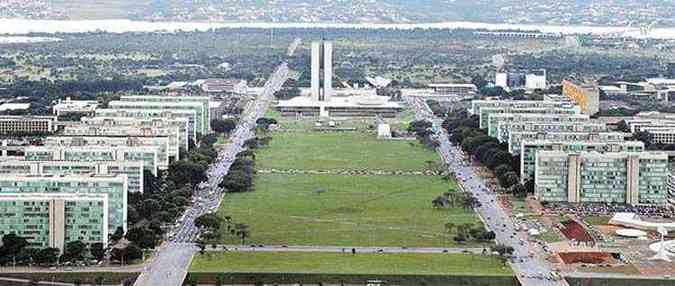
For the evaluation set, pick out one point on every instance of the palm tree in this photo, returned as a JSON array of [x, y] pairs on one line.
[[430, 165], [449, 227], [247, 153], [242, 231]]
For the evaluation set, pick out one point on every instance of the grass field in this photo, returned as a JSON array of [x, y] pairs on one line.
[[597, 220], [350, 150], [351, 211], [337, 263]]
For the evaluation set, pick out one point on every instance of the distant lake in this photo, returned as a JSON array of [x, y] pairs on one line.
[[23, 26]]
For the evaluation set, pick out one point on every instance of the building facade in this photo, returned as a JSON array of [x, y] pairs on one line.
[[523, 79], [55, 219], [587, 96], [202, 114], [516, 138], [145, 114], [476, 105], [494, 120], [166, 138], [184, 134], [115, 187], [68, 106], [322, 62], [551, 127], [460, 89], [18, 125], [132, 169], [594, 177], [149, 155], [485, 112], [530, 149]]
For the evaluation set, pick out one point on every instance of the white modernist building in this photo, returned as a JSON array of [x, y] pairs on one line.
[[322, 60], [323, 101]]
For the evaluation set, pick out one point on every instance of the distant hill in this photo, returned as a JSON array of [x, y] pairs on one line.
[[555, 12]]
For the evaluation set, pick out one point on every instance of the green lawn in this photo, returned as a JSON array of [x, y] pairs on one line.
[[597, 220], [550, 236], [338, 263], [349, 150], [351, 211]]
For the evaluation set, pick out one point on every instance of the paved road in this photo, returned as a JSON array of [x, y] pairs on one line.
[[530, 267], [294, 45], [345, 249], [171, 264]]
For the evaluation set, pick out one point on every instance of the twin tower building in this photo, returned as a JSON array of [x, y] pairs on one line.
[[322, 63]]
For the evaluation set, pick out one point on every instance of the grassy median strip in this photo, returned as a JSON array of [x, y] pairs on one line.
[[345, 211], [349, 150], [346, 263]]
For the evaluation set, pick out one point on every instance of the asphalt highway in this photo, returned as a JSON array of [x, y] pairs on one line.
[[528, 264], [171, 263]]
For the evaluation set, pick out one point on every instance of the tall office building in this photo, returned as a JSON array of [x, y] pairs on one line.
[[54, 219], [584, 177], [587, 96], [322, 60], [115, 187]]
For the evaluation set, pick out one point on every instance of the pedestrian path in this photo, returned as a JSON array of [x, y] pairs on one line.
[[346, 249]]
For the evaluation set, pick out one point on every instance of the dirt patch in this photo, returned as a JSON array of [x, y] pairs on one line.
[[573, 230], [586, 257]]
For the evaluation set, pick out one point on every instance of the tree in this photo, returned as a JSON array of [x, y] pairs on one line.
[[118, 234], [503, 250], [209, 220], [419, 126], [97, 251], [242, 231], [287, 93], [251, 143], [645, 137], [202, 247], [508, 179], [264, 123], [47, 256], [502, 169], [248, 154], [223, 125], [493, 91], [479, 81], [440, 202], [151, 184], [500, 157], [237, 181], [518, 190], [12, 244], [74, 251], [529, 186], [449, 227], [623, 126], [142, 237], [459, 238], [185, 171], [128, 253]]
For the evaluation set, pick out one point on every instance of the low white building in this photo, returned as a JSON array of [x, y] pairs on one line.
[[69, 106]]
